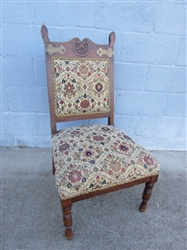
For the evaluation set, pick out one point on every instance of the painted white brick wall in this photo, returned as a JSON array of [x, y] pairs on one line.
[[150, 66]]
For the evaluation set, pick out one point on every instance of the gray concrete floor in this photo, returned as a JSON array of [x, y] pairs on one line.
[[32, 218]]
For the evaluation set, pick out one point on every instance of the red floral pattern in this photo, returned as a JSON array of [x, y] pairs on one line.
[[85, 104], [75, 176], [96, 157]]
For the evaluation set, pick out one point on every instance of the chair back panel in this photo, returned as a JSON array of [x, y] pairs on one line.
[[80, 79], [81, 86]]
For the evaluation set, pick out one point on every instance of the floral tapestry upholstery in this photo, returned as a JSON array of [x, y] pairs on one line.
[[95, 157], [81, 86]]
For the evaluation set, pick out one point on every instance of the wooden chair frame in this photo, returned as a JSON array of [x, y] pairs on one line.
[[57, 49]]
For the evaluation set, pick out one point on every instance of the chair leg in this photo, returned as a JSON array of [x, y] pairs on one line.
[[66, 209], [146, 196]]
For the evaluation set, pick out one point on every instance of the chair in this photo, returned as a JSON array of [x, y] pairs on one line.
[[94, 159]]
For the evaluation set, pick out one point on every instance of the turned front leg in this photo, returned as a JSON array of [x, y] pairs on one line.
[[146, 196], [66, 209]]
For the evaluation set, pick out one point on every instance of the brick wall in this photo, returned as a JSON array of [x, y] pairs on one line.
[[150, 66]]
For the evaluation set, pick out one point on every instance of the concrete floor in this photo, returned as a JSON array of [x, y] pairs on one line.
[[32, 218]]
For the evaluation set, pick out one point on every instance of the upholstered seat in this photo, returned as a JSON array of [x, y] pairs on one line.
[[95, 157]]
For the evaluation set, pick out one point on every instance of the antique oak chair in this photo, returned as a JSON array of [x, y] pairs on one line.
[[94, 159]]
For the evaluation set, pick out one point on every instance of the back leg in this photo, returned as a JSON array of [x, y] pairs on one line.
[[146, 196]]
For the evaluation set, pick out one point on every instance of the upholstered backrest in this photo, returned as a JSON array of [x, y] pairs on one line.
[[80, 79]]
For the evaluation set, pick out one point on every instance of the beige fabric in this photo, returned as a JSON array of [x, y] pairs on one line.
[[81, 86], [96, 157]]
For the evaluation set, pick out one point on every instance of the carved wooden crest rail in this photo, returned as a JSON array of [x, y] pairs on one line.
[[80, 48]]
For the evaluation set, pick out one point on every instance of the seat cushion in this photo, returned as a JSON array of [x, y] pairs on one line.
[[95, 157]]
